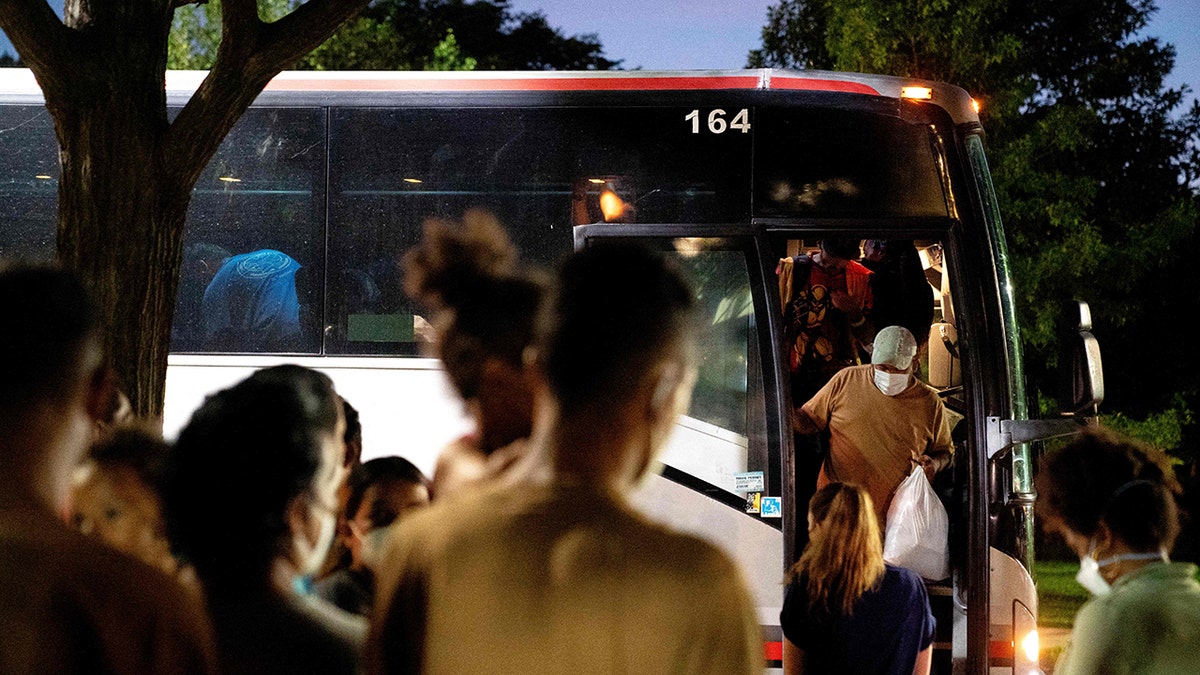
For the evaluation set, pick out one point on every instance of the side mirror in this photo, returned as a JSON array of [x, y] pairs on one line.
[[1081, 375]]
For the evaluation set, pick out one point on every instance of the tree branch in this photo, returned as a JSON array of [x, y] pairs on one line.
[[251, 53], [239, 26], [302, 31], [41, 40]]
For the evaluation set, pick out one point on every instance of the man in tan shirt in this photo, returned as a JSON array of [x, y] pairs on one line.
[[69, 604], [549, 569], [882, 421]]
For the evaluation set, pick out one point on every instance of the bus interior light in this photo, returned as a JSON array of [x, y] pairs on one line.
[[597, 181], [413, 180], [611, 205], [42, 176], [689, 247], [229, 179], [924, 93]]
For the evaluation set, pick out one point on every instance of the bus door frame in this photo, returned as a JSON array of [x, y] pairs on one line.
[[780, 479]]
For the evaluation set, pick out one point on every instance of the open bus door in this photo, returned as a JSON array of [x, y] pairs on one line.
[[739, 425], [726, 473]]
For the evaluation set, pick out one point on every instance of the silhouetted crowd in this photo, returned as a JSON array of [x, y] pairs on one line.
[[258, 541]]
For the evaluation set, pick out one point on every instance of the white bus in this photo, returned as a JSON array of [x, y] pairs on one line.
[[729, 170]]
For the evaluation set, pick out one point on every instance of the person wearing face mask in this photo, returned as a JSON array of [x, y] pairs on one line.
[[882, 421], [1113, 501], [250, 499], [381, 491], [550, 569]]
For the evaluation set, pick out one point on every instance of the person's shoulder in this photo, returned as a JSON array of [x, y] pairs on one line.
[[857, 375], [923, 391], [901, 575], [87, 568], [287, 634], [475, 510], [683, 554], [1143, 591], [1093, 617], [903, 580], [116, 598], [844, 383], [459, 465], [340, 629], [855, 268]]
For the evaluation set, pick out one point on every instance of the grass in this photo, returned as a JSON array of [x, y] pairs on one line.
[[1059, 598], [1059, 595]]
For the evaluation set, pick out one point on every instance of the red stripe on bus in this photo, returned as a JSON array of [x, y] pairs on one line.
[[781, 82], [999, 649], [773, 651], [526, 84]]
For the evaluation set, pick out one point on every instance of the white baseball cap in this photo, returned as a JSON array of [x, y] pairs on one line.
[[894, 346]]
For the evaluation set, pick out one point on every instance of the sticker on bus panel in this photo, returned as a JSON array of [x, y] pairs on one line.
[[753, 502], [750, 481], [772, 507]]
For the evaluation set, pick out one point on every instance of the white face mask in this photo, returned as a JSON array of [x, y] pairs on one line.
[[374, 544], [1089, 574], [891, 383], [1089, 569], [312, 558]]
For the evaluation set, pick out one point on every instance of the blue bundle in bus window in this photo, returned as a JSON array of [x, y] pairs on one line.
[[251, 304]]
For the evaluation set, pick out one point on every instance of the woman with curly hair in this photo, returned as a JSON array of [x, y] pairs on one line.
[[1112, 499], [484, 309]]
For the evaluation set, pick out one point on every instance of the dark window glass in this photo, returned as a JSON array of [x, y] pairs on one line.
[[724, 430], [839, 163], [540, 171], [727, 310], [28, 182], [254, 249]]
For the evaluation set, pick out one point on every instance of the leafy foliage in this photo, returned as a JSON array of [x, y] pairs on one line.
[[448, 56], [411, 35], [1094, 161], [196, 32]]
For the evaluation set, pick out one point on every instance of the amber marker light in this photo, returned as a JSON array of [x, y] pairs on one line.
[[611, 205], [975, 105], [916, 92]]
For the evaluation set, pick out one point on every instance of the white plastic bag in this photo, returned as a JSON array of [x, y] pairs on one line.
[[918, 529]]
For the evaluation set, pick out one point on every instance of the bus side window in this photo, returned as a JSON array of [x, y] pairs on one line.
[[28, 183], [264, 190]]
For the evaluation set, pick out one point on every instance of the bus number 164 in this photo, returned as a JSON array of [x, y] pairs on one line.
[[717, 123]]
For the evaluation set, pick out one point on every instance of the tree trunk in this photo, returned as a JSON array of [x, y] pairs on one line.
[[126, 246], [127, 174], [120, 206]]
